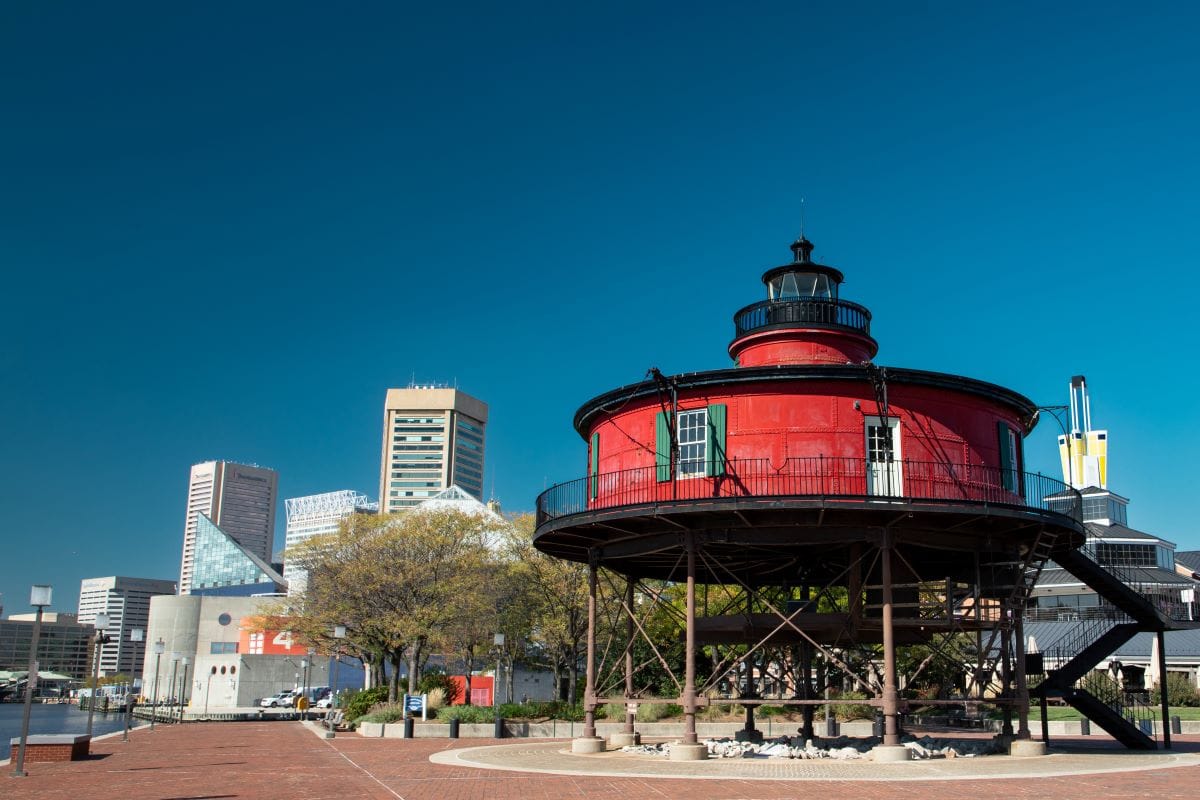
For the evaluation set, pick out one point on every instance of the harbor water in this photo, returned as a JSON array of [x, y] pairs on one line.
[[55, 718]]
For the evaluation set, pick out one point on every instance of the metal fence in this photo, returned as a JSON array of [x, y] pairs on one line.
[[823, 312], [815, 477]]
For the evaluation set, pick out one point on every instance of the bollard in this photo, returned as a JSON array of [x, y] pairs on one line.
[[499, 731], [454, 728], [830, 726], [1176, 725], [877, 727], [1085, 727], [408, 727]]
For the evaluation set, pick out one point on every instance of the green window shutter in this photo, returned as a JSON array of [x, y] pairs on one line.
[[716, 441], [662, 447], [594, 467], [1006, 465]]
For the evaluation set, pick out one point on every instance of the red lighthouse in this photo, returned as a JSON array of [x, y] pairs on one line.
[[806, 471]]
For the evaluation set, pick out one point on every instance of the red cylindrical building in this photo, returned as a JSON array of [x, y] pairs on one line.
[[787, 469]]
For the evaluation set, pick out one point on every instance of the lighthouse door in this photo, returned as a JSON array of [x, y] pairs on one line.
[[883, 457]]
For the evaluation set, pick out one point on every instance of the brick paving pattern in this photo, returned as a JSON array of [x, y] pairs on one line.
[[248, 761]]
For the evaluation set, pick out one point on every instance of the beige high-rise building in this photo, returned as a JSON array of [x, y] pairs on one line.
[[238, 498], [433, 438]]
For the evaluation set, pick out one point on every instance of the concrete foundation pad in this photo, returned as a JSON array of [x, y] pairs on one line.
[[625, 739], [1027, 748], [890, 753], [688, 752], [587, 744]]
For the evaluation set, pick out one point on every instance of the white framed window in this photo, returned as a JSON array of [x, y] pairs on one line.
[[693, 442]]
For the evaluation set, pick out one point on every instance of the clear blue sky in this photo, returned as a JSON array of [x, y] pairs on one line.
[[226, 230]]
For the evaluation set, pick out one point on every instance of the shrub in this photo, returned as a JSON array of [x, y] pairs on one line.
[[1180, 691], [653, 712], [437, 680], [771, 711], [360, 702], [384, 712], [467, 714], [436, 698], [853, 711]]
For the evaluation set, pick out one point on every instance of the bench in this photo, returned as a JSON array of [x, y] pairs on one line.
[[335, 720], [53, 747]]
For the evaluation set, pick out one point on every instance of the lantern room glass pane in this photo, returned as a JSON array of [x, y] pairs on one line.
[[800, 286]]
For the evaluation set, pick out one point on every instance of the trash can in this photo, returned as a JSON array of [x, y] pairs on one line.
[[1085, 727], [499, 731], [877, 727], [454, 728], [1176, 725], [831, 726]]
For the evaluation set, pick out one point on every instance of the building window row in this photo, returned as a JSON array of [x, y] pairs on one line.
[[407, 448], [418, 420], [466, 434]]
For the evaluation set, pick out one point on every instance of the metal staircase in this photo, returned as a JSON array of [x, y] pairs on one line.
[[1078, 652], [1027, 572]]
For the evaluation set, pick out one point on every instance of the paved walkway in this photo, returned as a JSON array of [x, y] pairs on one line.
[[281, 760]]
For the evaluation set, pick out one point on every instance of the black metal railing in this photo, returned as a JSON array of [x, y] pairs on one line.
[[814, 477], [822, 312]]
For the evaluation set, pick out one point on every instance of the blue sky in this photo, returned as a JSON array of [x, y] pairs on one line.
[[225, 231]]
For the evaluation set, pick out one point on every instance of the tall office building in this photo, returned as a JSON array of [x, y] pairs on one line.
[[316, 515], [237, 497], [127, 603], [432, 439]]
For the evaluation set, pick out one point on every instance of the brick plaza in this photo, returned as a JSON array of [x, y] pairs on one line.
[[289, 760]]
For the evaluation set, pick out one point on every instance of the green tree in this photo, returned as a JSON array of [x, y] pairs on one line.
[[553, 603], [398, 582]]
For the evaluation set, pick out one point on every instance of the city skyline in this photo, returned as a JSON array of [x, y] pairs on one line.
[[575, 197]]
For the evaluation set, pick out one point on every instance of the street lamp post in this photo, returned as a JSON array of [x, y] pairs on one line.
[[302, 700], [498, 725], [39, 597], [339, 633], [135, 635], [101, 639], [183, 684], [175, 656], [159, 646]]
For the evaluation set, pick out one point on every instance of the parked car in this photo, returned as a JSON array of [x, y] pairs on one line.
[[324, 702], [284, 699]]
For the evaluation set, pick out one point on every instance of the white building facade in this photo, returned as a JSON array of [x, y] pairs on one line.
[[318, 515], [126, 601]]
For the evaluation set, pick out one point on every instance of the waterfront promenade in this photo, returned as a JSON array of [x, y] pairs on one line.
[[290, 760]]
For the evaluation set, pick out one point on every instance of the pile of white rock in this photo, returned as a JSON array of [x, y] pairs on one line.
[[843, 748]]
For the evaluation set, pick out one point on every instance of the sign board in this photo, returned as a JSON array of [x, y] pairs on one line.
[[631, 708], [414, 703]]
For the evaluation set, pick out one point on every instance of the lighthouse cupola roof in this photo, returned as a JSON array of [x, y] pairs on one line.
[[803, 320]]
